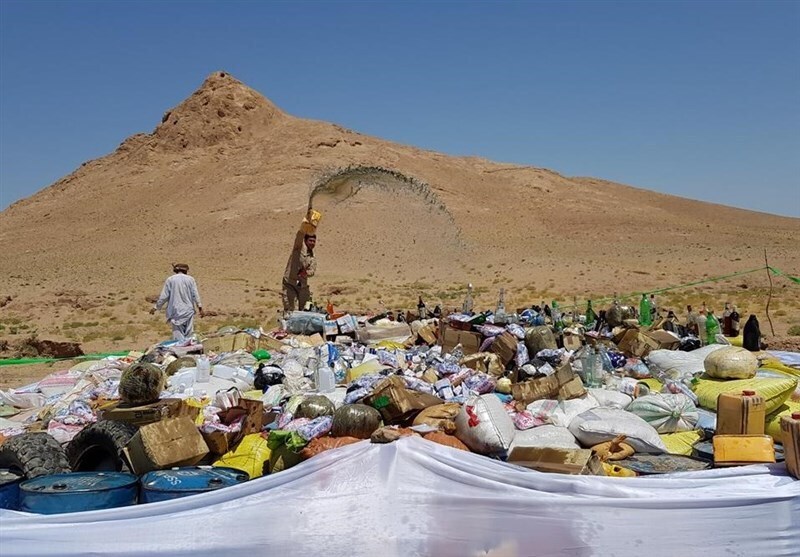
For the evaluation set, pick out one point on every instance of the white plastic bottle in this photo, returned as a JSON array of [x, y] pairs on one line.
[[324, 378], [203, 369]]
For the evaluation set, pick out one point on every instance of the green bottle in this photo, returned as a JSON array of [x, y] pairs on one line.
[[712, 328], [591, 316], [644, 311]]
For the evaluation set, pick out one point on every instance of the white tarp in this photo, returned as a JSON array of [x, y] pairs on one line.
[[414, 497]]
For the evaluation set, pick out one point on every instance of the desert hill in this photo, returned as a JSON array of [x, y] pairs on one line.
[[224, 179]]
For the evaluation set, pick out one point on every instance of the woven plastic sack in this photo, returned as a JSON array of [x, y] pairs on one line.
[[675, 363], [604, 424], [775, 391], [668, 413], [561, 412], [773, 423], [484, 426], [610, 399], [731, 363], [322, 444], [681, 443], [549, 436], [446, 440], [250, 456]]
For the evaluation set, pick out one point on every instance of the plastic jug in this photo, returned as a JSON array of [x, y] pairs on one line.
[[203, 370], [324, 377], [742, 413], [790, 429]]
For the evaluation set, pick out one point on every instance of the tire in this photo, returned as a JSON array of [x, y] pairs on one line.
[[98, 447], [34, 455]]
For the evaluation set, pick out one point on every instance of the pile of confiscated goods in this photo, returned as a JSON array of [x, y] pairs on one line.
[[543, 392]]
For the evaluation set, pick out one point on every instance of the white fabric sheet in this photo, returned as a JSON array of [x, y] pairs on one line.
[[414, 497]]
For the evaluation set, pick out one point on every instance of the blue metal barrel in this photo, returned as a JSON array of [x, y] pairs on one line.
[[79, 491], [162, 485], [9, 489]]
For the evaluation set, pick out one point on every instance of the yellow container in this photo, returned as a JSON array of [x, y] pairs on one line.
[[742, 413], [790, 429], [739, 450]]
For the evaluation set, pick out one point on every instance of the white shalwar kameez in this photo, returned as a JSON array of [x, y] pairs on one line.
[[180, 294]]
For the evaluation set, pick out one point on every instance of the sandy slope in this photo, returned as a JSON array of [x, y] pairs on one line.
[[224, 179]]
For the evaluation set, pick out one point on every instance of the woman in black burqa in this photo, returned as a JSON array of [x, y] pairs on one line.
[[752, 334]]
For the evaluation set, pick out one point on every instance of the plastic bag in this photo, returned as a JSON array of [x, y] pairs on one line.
[[314, 406], [250, 456], [355, 420], [731, 363]]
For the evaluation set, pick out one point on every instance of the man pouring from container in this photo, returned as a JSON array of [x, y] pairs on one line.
[[301, 264]]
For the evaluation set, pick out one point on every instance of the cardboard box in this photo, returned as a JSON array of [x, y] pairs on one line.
[[164, 444], [560, 461], [149, 413], [372, 334], [396, 403], [665, 339], [549, 387], [428, 334], [450, 337], [635, 343], [231, 342], [220, 442], [572, 389], [485, 362], [505, 346]]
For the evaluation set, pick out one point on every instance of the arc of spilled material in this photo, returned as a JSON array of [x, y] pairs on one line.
[[337, 181]]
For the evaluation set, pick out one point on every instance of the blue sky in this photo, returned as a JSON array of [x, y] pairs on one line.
[[697, 99]]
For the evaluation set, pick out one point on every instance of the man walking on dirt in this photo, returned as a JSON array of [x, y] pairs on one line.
[[180, 294], [301, 266]]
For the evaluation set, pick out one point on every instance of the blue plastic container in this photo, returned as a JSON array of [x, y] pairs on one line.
[[79, 491], [9, 489], [162, 485]]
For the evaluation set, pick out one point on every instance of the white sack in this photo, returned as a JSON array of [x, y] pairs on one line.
[[561, 412], [550, 436], [483, 425], [603, 424], [610, 399]]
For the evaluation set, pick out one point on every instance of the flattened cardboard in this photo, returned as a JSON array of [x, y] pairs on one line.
[[396, 403], [560, 461], [148, 413], [164, 444]]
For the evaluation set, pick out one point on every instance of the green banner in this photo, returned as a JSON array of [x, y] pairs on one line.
[[25, 361], [782, 274]]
